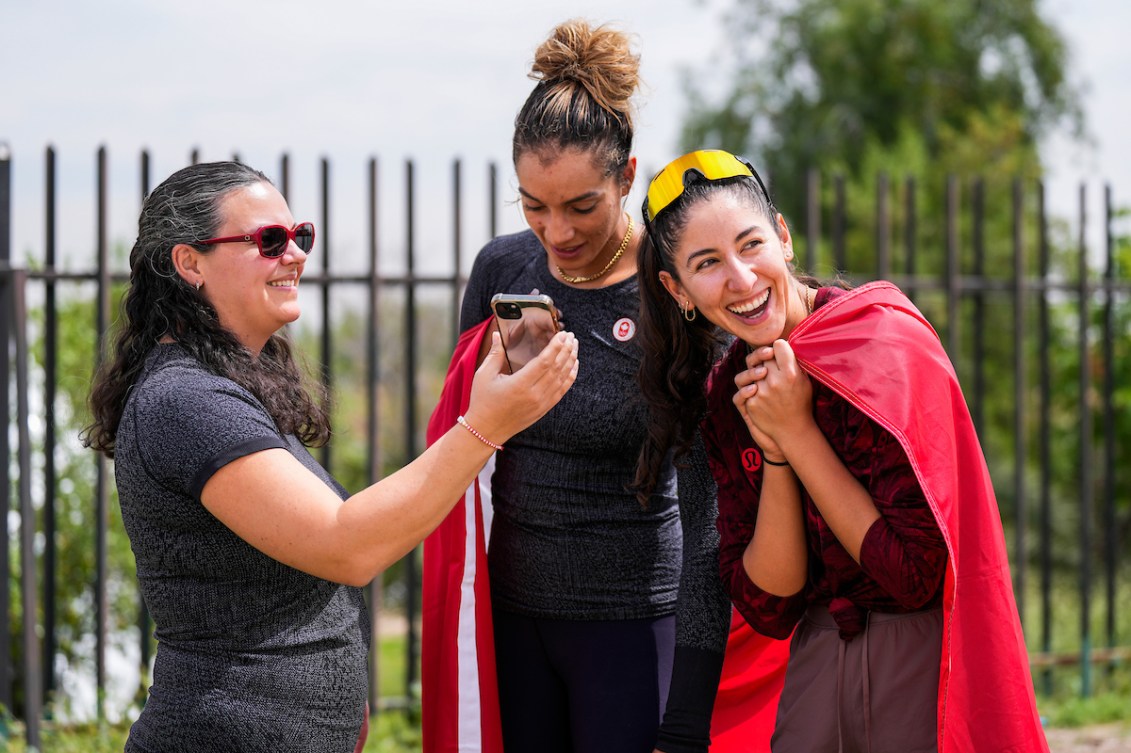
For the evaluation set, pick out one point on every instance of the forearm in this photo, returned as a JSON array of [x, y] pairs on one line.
[[776, 560], [382, 523], [843, 501]]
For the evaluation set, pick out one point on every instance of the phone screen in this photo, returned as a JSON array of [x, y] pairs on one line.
[[526, 323]]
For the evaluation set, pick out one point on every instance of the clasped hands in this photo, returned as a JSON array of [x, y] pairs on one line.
[[774, 397]]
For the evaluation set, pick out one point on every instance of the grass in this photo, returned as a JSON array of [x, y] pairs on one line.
[[398, 730], [389, 732]]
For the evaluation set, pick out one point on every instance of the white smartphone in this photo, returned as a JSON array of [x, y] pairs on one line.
[[526, 323]]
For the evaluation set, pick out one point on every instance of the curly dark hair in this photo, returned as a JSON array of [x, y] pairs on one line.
[[158, 304], [677, 354]]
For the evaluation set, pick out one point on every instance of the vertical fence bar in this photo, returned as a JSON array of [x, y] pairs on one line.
[[326, 345], [1085, 460], [951, 271], [33, 692], [812, 219], [977, 359], [50, 379], [457, 231], [883, 228], [1020, 394], [493, 199], [839, 223], [6, 669], [910, 230], [285, 176], [411, 579], [101, 495], [373, 439], [1111, 532], [144, 622], [1044, 358]]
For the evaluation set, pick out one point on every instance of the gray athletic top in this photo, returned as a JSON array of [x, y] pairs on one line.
[[568, 541], [252, 655]]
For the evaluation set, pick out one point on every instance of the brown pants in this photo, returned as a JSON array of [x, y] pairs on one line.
[[877, 693]]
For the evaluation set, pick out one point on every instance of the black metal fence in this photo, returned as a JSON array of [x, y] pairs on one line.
[[940, 260]]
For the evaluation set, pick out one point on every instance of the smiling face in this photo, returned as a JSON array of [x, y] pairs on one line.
[[253, 296], [575, 209], [731, 262]]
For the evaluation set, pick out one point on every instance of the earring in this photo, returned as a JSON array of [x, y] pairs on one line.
[[689, 312], [198, 284]]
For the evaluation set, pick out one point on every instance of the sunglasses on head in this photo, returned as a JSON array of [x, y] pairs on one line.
[[712, 164], [272, 239]]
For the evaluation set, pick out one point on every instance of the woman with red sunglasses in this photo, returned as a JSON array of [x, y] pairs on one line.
[[250, 556], [855, 506], [609, 622]]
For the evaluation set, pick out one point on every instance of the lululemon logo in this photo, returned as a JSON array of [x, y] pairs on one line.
[[624, 329], [751, 459]]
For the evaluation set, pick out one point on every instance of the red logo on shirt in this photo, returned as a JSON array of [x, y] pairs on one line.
[[624, 329], [751, 459]]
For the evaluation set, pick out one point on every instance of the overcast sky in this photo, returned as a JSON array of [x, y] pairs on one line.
[[430, 80]]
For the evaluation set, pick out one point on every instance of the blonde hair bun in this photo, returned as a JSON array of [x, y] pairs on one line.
[[599, 58]]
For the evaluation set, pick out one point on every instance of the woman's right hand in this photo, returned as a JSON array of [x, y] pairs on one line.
[[747, 384], [504, 404]]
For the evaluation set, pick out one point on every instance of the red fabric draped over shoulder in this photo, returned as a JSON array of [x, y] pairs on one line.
[[459, 686], [874, 348]]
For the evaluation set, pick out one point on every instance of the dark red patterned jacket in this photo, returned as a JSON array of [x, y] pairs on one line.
[[903, 556], [871, 353]]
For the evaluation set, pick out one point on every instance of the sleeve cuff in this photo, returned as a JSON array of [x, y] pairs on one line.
[[691, 700]]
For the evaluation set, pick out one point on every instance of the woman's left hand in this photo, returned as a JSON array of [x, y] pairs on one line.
[[775, 395]]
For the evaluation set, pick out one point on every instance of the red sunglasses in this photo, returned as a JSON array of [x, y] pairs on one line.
[[272, 239]]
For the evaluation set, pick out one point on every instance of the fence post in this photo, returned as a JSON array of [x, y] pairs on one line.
[[5, 417], [1044, 452], [457, 231], [411, 579], [978, 327], [33, 692], [910, 232], [102, 322], [1020, 391], [50, 377], [492, 200], [951, 271], [372, 351], [327, 346], [144, 621], [1111, 532], [840, 212], [1085, 460], [883, 228]]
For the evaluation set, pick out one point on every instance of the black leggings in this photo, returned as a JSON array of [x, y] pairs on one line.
[[582, 686]]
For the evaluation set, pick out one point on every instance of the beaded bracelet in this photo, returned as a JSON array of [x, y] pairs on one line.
[[463, 422], [767, 461]]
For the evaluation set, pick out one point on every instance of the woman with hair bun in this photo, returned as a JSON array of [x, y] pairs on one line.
[[609, 618]]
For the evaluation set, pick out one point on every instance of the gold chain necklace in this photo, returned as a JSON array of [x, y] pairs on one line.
[[620, 251]]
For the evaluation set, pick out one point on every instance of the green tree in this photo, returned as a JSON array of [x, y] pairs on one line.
[[964, 86]]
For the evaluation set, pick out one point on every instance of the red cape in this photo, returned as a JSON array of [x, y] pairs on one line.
[[875, 349], [746, 706], [459, 686]]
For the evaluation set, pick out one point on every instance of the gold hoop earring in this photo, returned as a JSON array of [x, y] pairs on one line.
[[689, 312]]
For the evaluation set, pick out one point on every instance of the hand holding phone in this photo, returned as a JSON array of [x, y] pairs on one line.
[[525, 324]]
